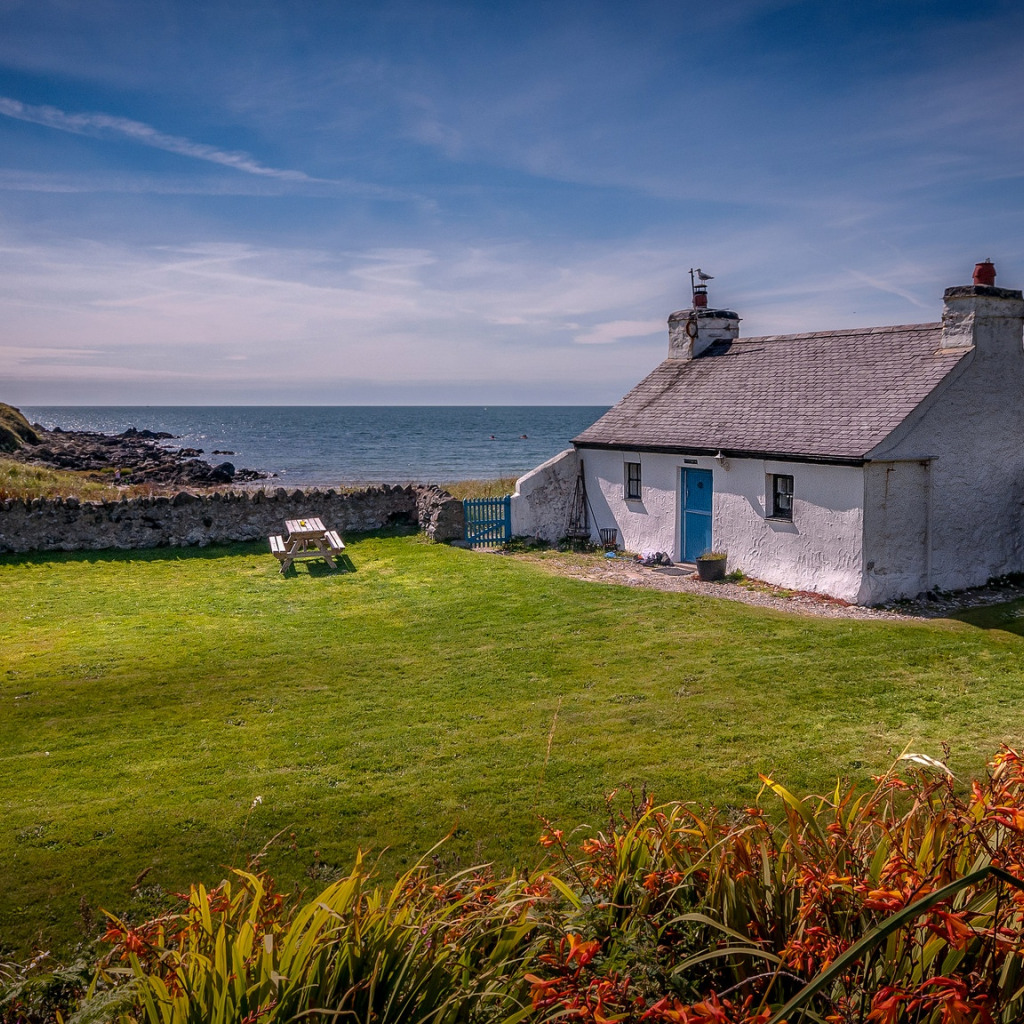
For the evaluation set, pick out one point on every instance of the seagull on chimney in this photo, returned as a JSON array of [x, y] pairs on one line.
[[702, 276]]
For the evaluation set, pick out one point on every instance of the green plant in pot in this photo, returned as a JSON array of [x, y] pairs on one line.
[[711, 565]]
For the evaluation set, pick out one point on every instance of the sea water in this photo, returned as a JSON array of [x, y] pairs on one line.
[[328, 445]]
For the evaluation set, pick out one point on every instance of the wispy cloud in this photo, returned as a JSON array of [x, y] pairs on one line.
[[147, 135], [292, 315], [238, 316], [124, 183], [617, 330], [25, 356], [269, 180], [890, 288], [212, 184]]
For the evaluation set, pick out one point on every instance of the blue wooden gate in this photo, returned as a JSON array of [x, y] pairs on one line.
[[488, 521]]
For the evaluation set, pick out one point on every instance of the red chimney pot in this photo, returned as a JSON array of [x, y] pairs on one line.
[[985, 273]]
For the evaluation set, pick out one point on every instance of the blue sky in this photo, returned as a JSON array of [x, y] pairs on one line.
[[421, 202]]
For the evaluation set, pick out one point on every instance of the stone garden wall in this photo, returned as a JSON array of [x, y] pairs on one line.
[[191, 520]]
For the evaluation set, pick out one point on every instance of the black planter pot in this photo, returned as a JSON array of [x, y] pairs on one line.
[[711, 570]]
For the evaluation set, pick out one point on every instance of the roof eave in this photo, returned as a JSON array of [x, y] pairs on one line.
[[731, 453]]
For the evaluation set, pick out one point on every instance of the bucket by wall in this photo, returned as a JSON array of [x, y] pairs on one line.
[[711, 568]]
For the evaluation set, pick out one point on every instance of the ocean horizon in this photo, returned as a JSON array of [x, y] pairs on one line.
[[344, 445]]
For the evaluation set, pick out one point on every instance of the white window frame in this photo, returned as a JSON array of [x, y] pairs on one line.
[[779, 510]]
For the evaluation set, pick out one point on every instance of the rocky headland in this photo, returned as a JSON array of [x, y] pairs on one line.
[[136, 456]]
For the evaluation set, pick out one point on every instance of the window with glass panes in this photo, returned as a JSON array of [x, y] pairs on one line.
[[782, 496], [633, 480]]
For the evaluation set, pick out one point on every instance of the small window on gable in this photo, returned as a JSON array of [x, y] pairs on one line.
[[633, 481], [781, 506]]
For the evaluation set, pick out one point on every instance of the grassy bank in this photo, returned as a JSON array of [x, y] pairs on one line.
[[168, 712], [22, 481]]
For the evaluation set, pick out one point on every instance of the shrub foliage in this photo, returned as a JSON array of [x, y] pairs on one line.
[[902, 904]]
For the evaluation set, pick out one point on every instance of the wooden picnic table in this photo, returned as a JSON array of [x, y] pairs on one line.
[[306, 538]]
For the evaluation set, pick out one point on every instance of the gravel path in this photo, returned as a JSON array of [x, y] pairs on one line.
[[680, 578]]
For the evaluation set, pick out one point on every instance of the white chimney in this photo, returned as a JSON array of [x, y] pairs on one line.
[[982, 316], [692, 331]]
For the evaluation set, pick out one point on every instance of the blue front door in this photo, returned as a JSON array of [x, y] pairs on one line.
[[695, 528]]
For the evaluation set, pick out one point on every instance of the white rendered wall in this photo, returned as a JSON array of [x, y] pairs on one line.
[[897, 530], [820, 550], [645, 526], [540, 505], [974, 426]]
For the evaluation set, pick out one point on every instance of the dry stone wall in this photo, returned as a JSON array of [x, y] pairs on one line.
[[191, 520]]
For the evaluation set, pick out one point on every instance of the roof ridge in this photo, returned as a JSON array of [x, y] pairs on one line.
[[844, 332]]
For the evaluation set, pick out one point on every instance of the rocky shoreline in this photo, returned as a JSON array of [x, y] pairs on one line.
[[134, 456]]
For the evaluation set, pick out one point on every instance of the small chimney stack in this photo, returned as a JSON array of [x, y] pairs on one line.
[[982, 316], [692, 331]]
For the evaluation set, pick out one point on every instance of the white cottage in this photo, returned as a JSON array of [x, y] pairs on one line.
[[866, 464]]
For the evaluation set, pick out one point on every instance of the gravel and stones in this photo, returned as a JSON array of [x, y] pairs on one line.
[[626, 571]]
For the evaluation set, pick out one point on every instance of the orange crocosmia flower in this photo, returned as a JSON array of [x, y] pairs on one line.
[[218, 901], [580, 951], [952, 928], [664, 1011], [1011, 817], [598, 1015], [260, 1011], [551, 838], [832, 879], [711, 1010], [951, 996], [540, 990], [887, 1005], [884, 899], [592, 846], [134, 942], [652, 883]]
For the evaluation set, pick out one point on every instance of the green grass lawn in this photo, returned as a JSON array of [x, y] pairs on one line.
[[168, 712]]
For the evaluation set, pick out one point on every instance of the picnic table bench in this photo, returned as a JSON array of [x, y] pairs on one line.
[[306, 538]]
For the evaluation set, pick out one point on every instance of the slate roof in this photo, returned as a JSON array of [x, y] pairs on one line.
[[831, 395]]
